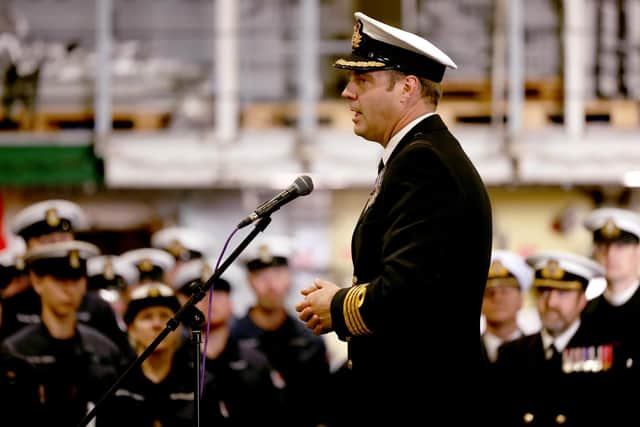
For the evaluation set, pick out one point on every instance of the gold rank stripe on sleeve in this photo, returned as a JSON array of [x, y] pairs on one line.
[[360, 63], [351, 309]]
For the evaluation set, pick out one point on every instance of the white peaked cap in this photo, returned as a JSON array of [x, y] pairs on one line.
[[157, 257], [623, 219], [265, 246], [85, 250], [568, 261], [379, 46], [38, 212], [190, 271], [97, 265], [403, 39], [189, 238], [516, 265]]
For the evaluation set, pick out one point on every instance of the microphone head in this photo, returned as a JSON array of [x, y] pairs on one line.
[[303, 185]]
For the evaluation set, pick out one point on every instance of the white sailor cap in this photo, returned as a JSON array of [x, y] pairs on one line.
[[47, 217], [199, 271], [563, 270], [614, 224], [268, 251], [15, 247], [152, 263], [182, 242], [12, 260], [509, 269], [61, 259], [378, 46], [110, 271], [150, 294]]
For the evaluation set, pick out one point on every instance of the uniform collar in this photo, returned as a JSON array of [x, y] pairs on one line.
[[621, 297], [395, 139], [492, 342], [561, 341]]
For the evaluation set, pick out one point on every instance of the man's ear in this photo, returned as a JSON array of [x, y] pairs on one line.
[[411, 86]]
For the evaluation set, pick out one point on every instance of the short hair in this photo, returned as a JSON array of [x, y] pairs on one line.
[[431, 91]]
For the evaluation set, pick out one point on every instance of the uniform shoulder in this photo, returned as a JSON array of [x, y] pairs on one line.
[[21, 341], [96, 339]]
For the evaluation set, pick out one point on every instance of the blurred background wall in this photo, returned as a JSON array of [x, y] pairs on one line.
[[152, 113]]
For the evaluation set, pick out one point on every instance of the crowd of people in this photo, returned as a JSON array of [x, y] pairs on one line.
[[577, 369], [74, 320]]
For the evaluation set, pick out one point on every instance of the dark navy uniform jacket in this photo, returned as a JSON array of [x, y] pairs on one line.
[[300, 357], [55, 381], [242, 388], [141, 402], [616, 324], [533, 391], [421, 256], [24, 309]]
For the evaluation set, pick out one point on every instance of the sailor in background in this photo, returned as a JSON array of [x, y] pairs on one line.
[[161, 390], [292, 350], [72, 364], [509, 279], [184, 244], [14, 277], [561, 375], [153, 264], [246, 389], [108, 278], [615, 314], [45, 222]]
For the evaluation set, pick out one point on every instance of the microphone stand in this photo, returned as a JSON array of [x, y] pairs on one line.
[[188, 314]]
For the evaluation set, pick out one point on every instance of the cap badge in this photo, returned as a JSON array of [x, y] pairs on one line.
[[206, 273], [74, 259], [145, 265], [109, 273], [552, 270], [153, 293], [52, 218], [497, 270], [356, 38], [265, 254], [610, 230], [175, 248]]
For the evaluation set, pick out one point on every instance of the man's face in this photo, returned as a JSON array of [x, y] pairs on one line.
[[559, 308], [148, 323], [374, 100], [620, 259], [221, 311], [501, 304], [61, 296], [271, 286]]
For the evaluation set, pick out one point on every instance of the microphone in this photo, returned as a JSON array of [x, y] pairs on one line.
[[302, 186]]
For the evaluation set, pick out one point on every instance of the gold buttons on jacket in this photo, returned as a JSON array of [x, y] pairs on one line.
[[528, 418], [354, 280], [350, 364], [561, 419]]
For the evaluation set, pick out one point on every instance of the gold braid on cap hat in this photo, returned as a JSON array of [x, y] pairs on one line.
[[356, 38]]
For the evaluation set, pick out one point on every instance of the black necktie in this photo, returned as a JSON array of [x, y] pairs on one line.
[[553, 355]]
